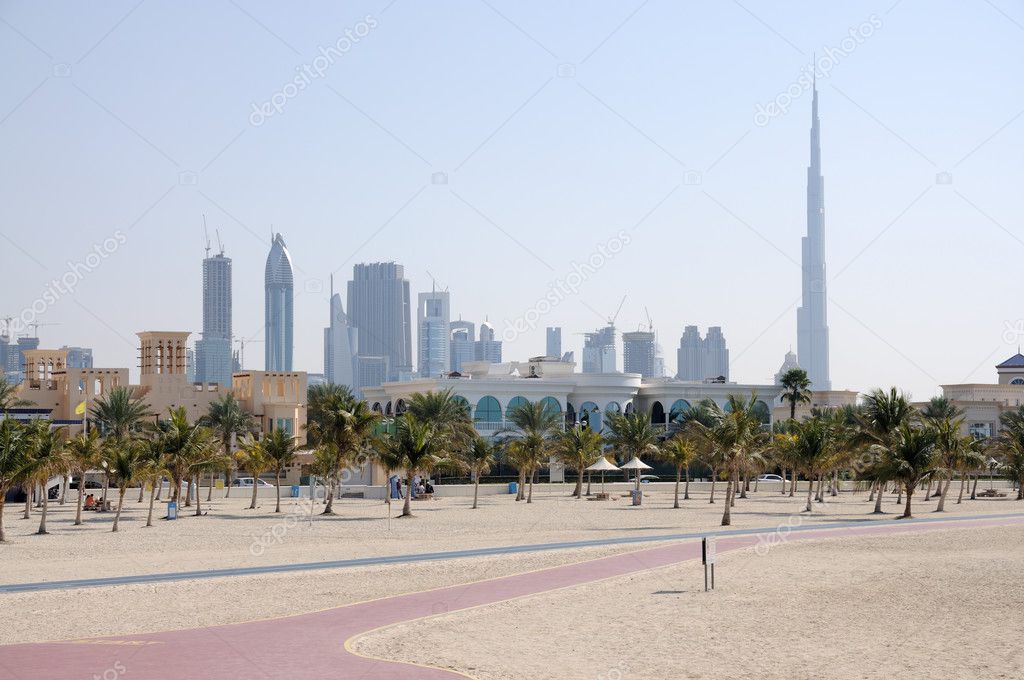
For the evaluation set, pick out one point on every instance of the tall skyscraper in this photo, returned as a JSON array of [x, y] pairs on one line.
[[341, 344], [379, 307], [78, 357], [213, 350], [487, 348], [812, 316], [702, 358], [434, 333], [554, 342], [463, 343], [278, 315], [599, 351], [639, 353]]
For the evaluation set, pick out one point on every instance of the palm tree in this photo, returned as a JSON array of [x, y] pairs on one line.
[[1013, 463], [578, 448], [187, 447], [9, 396], [127, 460], [882, 414], [15, 456], [680, 451], [534, 426], [48, 458], [118, 414], [84, 453], [410, 447], [1011, 444], [153, 468], [252, 457], [739, 437], [478, 459], [698, 422], [912, 457], [228, 420], [343, 429], [811, 446], [279, 447], [448, 415], [797, 389]]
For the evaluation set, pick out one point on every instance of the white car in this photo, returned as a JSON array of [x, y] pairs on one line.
[[247, 482], [770, 478]]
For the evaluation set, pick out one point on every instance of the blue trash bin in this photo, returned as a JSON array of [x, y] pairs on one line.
[[295, 490], [513, 487], [637, 496], [172, 510]]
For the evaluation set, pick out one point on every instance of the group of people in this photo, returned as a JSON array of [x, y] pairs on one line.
[[420, 487]]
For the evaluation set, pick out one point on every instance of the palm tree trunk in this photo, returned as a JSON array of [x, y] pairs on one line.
[[974, 488], [46, 505], [928, 491], [277, 483], [679, 476], [963, 483], [906, 510], [199, 505], [106, 483], [589, 477], [686, 488], [159, 484], [871, 496], [835, 483], [29, 490], [81, 497], [792, 483], [878, 498], [255, 488], [714, 478], [407, 507], [521, 491], [744, 485], [142, 490], [533, 475], [942, 497], [120, 502], [810, 486], [578, 492], [476, 489], [821, 489], [727, 514], [3, 537], [152, 498], [757, 480], [329, 500], [209, 491], [188, 492], [64, 489]]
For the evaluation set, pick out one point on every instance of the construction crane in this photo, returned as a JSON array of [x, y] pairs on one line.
[[7, 325], [35, 326], [206, 236], [650, 322], [241, 349], [611, 320]]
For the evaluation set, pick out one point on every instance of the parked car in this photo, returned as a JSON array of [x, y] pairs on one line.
[[770, 478], [644, 479], [247, 482], [88, 484]]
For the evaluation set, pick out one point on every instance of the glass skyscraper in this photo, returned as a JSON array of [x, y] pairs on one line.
[[213, 350], [278, 315]]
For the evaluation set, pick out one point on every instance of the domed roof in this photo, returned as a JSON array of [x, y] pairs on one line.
[[279, 264], [1016, 361]]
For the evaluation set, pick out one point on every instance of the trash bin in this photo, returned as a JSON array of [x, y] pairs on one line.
[[295, 490], [513, 487], [172, 510], [637, 495]]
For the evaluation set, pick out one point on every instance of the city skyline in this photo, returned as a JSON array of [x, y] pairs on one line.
[[632, 135]]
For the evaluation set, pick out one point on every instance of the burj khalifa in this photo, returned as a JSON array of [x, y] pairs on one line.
[[812, 316]]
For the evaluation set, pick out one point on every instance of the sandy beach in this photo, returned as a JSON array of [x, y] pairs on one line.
[[233, 536]]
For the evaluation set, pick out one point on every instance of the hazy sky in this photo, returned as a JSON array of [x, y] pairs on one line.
[[562, 129]]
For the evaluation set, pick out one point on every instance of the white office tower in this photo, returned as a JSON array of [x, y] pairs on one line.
[[462, 347], [341, 345], [434, 331], [554, 342], [599, 351]]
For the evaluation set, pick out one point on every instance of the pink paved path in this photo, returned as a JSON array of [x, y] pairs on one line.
[[312, 645]]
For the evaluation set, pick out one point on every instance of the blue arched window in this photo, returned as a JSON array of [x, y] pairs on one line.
[[762, 413], [513, 403], [679, 407], [551, 404], [462, 401], [488, 410], [613, 407]]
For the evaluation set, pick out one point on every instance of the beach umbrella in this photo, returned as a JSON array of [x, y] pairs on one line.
[[638, 465], [601, 466]]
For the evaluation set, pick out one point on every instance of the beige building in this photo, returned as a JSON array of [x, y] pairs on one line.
[[819, 400], [983, 403], [276, 399]]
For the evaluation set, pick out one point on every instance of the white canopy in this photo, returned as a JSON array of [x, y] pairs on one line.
[[635, 464], [601, 465]]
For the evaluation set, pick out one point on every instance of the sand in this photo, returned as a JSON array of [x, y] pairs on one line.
[[232, 536], [941, 604]]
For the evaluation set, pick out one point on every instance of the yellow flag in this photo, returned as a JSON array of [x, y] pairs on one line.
[[80, 409]]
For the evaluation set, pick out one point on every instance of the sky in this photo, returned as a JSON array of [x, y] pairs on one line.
[[499, 148]]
